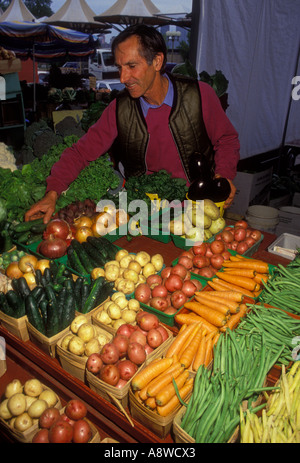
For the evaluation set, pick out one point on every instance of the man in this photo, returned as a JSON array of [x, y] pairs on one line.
[[160, 121]]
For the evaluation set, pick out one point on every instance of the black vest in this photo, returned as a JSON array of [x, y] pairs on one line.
[[185, 121]]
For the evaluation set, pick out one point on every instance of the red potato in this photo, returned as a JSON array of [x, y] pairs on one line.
[[154, 338], [165, 272], [154, 280], [241, 223], [143, 293], [121, 342], [48, 417], [163, 332], [217, 261], [173, 282], [180, 269], [207, 272], [239, 234], [82, 432], [200, 261], [148, 349], [126, 329], [227, 236], [61, 432], [170, 310], [187, 262], [189, 288], [94, 363], [75, 409], [200, 249], [187, 253], [126, 369], [136, 353], [148, 321], [242, 247], [256, 235], [41, 437], [159, 303], [178, 298], [109, 353], [110, 374], [137, 336], [159, 291], [217, 247]]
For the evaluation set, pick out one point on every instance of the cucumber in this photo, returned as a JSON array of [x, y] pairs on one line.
[[69, 311], [77, 292], [74, 261], [26, 226], [47, 275], [43, 306], [33, 314], [83, 256], [96, 255], [5, 307], [53, 322], [53, 269], [50, 293], [85, 291], [90, 303], [60, 303], [34, 238], [16, 302], [22, 238], [38, 276], [38, 228], [106, 291], [98, 244], [23, 287]]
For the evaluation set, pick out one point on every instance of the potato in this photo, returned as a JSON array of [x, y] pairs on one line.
[[131, 275], [37, 407], [111, 262], [121, 301], [86, 332], [33, 387], [133, 304], [142, 279], [114, 311], [142, 257], [148, 269], [77, 322], [5, 414], [29, 401], [129, 315], [124, 262], [49, 396], [118, 323], [158, 262], [112, 272], [127, 286], [17, 404], [23, 422], [115, 295], [120, 254], [66, 340], [91, 347], [13, 387], [103, 317], [76, 346], [134, 265], [103, 339]]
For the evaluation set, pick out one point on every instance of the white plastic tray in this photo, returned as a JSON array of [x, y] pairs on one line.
[[285, 245]]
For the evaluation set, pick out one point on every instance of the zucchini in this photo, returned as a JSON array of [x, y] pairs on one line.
[[23, 287], [90, 303], [83, 256], [33, 314], [52, 325]]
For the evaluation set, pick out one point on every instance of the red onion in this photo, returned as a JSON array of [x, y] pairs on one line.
[[57, 227], [53, 247]]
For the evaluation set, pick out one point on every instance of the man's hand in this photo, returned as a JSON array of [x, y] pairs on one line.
[[43, 208], [229, 200]]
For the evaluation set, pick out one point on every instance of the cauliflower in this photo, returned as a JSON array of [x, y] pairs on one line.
[[7, 159]]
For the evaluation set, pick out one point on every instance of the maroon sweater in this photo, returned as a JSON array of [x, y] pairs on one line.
[[161, 151]]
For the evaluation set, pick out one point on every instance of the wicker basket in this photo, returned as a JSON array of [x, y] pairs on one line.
[[182, 437], [72, 363], [16, 326], [47, 345], [26, 436]]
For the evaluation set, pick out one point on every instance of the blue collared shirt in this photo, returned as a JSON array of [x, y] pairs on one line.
[[168, 99]]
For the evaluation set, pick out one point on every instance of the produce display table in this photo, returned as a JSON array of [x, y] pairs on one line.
[[24, 359]]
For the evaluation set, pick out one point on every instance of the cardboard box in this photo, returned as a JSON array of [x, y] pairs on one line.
[[289, 220], [251, 188]]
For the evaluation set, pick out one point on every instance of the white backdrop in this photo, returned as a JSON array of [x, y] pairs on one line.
[[255, 43]]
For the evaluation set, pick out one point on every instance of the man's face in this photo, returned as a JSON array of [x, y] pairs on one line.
[[135, 73]]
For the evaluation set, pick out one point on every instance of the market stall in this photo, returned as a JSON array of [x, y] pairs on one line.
[[124, 414]]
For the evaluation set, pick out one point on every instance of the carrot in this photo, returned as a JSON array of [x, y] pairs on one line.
[[180, 339], [213, 304], [192, 318], [174, 402], [162, 380], [228, 295], [144, 391], [150, 403], [212, 316], [231, 286], [261, 277], [151, 371], [258, 265], [245, 272], [200, 354], [208, 352], [189, 352], [232, 306], [168, 391], [189, 339], [243, 282], [235, 319]]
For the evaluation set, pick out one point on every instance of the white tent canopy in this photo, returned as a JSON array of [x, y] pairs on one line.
[[17, 11], [255, 43]]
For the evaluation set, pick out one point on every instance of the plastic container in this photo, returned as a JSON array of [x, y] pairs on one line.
[[285, 245], [263, 218]]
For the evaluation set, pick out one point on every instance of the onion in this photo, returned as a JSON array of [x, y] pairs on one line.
[[42, 264], [82, 233], [83, 221], [53, 247], [58, 228], [13, 270], [27, 263]]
